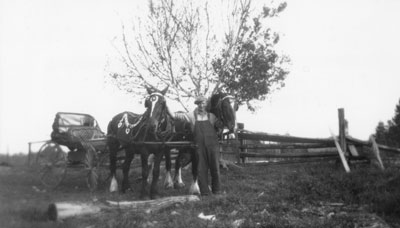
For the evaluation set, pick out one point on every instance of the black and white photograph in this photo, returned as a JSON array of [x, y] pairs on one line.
[[199, 113]]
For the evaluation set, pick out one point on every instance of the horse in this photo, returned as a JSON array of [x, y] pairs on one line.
[[130, 131], [224, 108]]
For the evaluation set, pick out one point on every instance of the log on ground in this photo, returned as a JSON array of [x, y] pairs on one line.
[[153, 205], [62, 210]]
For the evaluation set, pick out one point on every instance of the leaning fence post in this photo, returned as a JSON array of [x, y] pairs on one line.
[[375, 150], [341, 154]]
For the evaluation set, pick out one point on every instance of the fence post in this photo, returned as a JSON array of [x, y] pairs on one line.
[[241, 142], [342, 131], [29, 152]]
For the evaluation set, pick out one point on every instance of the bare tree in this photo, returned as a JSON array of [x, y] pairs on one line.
[[178, 44]]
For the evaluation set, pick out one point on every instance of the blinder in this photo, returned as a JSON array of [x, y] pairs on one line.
[[147, 102], [152, 98]]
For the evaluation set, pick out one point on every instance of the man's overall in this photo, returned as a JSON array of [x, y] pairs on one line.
[[208, 155]]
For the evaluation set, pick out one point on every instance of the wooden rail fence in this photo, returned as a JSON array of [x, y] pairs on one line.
[[263, 148]]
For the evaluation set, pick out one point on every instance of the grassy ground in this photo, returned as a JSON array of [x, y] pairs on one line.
[[304, 195]]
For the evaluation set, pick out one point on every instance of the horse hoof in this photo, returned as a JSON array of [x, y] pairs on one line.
[[195, 192], [169, 185], [124, 190], [179, 185]]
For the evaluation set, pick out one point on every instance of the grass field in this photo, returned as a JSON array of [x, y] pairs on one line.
[[302, 195]]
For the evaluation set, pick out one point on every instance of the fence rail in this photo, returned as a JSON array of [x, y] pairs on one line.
[[288, 155], [271, 147], [280, 138]]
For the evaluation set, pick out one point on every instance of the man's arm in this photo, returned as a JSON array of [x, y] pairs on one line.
[[183, 116], [215, 121]]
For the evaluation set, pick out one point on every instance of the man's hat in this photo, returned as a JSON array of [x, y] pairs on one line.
[[200, 99]]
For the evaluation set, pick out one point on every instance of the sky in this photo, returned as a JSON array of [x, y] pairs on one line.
[[53, 55]]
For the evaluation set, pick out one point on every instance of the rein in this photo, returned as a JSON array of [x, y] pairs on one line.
[[167, 134]]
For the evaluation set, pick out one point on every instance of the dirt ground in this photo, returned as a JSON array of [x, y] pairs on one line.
[[253, 192]]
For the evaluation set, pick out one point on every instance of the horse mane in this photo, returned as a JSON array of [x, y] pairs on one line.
[[208, 105], [213, 101]]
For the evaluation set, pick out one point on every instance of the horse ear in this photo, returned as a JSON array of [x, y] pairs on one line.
[[164, 91], [149, 91]]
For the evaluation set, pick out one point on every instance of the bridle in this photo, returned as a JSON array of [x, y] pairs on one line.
[[166, 133]]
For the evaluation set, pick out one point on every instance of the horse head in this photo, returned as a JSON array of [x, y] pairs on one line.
[[224, 107], [157, 112]]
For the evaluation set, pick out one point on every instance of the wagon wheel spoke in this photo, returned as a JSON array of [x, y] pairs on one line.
[[53, 162], [92, 180], [102, 168], [52, 176], [92, 164]]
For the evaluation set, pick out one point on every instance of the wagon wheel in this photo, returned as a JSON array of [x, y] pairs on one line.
[[95, 163], [53, 162], [102, 168], [90, 165]]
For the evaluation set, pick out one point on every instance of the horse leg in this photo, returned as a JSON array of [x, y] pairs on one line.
[[178, 183], [113, 149], [194, 187], [156, 175], [129, 155], [168, 179], [150, 162], [145, 172]]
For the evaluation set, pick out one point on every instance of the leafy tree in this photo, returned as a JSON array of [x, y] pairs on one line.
[[255, 68], [394, 127], [389, 134], [381, 133], [201, 47]]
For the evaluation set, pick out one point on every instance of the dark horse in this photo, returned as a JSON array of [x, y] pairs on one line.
[[224, 107], [130, 131]]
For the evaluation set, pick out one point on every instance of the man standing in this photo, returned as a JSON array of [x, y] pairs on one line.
[[207, 150]]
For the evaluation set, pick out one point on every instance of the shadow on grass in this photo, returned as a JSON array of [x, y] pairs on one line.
[[33, 215]]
